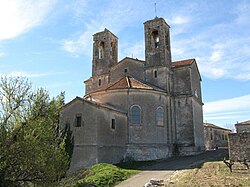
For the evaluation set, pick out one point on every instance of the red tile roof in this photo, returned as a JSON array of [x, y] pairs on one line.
[[244, 123], [183, 62], [128, 82], [214, 126]]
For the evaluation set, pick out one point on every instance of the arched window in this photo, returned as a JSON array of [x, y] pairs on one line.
[[159, 113], [135, 115], [155, 39], [101, 50]]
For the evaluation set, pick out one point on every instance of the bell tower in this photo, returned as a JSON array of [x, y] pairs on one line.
[[105, 52], [157, 53], [157, 43]]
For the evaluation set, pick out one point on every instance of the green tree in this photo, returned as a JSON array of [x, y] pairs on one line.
[[32, 148]]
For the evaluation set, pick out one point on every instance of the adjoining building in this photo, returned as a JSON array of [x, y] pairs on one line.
[[239, 142], [243, 127], [215, 136], [136, 109]]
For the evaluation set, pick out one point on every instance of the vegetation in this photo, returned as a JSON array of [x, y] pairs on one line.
[[99, 175], [32, 148], [212, 174]]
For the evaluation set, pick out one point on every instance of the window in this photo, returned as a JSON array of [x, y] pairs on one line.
[[135, 114], [78, 121], [100, 82], [196, 93], [125, 70], [155, 73], [113, 124], [159, 116], [155, 39], [101, 50], [211, 136], [112, 51]]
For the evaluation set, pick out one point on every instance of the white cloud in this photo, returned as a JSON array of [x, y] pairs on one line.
[[2, 54], [136, 51], [227, 111], [233, 104], [34, 75], [114, 15], [179, 20], [18, 16], [242, 10]]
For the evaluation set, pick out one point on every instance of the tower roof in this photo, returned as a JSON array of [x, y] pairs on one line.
[[156, 19], [105, 30], [243, 123]]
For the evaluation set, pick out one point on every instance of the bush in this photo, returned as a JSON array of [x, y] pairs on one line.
[[104, 175]]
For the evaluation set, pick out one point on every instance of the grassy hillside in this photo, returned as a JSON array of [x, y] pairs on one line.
[[99, 175], [212, 174]]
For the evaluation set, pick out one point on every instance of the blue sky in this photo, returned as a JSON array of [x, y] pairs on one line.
[[50, 42]]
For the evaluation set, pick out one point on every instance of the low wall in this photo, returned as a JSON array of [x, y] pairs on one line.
[[239, 146]]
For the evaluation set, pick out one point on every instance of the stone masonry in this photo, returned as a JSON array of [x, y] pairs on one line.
[[136, 109]]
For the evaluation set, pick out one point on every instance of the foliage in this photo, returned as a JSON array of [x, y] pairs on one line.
[[99, 175], [32, 148]]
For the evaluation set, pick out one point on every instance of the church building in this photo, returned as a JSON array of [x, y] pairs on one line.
[[136, 109]]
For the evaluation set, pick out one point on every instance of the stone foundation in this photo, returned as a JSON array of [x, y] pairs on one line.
[[147, 152]]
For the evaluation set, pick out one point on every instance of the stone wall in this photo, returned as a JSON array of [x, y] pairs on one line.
[[242, 128], [239, 146], [95, 140]]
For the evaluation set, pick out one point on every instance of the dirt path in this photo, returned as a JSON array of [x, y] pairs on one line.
[[164, 169]]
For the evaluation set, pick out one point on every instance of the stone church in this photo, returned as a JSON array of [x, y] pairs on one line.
[[135, 109]]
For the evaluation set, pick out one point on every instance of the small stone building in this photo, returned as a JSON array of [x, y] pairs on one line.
[[243, 127], [239, 142], [136, 109], [215, 136]]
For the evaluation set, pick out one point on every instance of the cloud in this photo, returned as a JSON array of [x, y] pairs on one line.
[[19, 16], [179, 20], [233, 104], [136, 51], [243, 14], [114, 15], [2, 53], [227, 111], [32, 75]]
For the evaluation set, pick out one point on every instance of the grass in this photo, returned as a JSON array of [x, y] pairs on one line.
[[211, 174], [99, 175]]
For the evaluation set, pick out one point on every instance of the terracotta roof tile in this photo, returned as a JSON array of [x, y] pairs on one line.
[[215, 126], [244, 123], [182, 63], [128, 82]]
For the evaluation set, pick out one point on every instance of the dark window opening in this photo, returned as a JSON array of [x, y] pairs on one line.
[[78, 121], [155, 39], [113, 124], [100, 82], [155, 74], [125, 70], [101, 50], [112, 51]]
